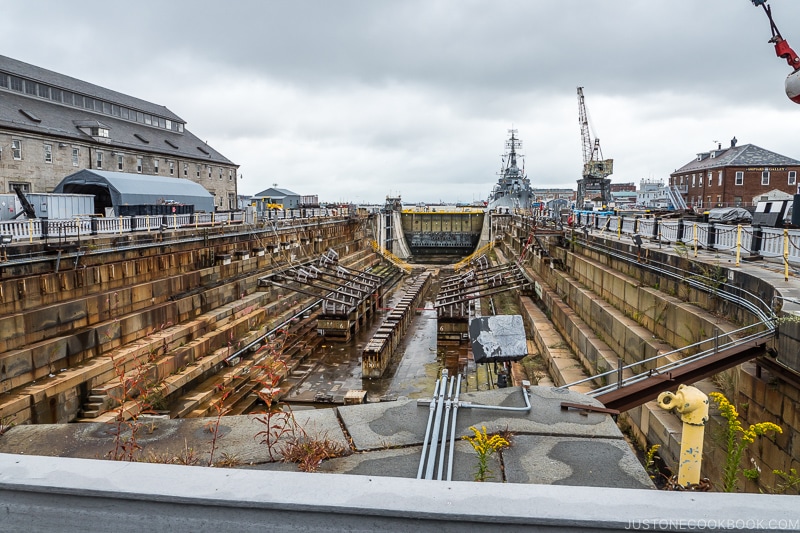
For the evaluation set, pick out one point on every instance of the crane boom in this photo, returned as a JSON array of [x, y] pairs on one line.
[[594, 184], [586, 136]]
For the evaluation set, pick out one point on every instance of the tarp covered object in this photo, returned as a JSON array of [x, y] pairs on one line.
[[498, 338], [137, 189], [729, 214]]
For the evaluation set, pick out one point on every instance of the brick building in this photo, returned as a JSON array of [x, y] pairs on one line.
[[623, 187], [52, 126], [736, 176]]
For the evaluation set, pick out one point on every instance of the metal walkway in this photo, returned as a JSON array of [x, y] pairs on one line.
[[626, 393]]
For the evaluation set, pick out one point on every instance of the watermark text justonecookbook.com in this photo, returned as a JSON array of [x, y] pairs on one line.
[[663, 524]]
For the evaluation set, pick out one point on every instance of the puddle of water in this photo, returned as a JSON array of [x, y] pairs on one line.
[[412, 371]]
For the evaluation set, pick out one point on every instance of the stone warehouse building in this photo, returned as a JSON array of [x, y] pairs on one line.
[[52, 125], [736, 176]]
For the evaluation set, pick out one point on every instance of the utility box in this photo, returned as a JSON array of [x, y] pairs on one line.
[[57, 206], [8, 206]]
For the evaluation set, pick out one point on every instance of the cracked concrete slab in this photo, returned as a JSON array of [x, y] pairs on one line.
[[574, 461]]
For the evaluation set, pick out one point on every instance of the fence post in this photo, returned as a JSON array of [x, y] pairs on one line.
[[786, 254], [738, 244], [711, 234], [755, 243]]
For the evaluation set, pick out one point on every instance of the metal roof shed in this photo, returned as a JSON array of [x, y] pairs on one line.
[[112, 189]]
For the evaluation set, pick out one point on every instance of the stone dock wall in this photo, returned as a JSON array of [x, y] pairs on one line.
[[599, 309]]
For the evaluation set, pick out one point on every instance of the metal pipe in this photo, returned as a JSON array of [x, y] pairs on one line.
[[525, 392], [424, 453], [445, 426], [453, 430], [434, 444], [272, 331]]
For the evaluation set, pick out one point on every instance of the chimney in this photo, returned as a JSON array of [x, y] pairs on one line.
[[733, 142], [719, 146]]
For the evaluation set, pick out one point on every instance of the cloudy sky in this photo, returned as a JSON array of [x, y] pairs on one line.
[[356, 100]]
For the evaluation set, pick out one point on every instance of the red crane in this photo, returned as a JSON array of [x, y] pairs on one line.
[[782, 49]]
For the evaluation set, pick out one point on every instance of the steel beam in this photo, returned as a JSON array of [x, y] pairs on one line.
[[643, 391]]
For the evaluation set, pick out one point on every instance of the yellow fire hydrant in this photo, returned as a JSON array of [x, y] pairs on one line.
[[692, 406]]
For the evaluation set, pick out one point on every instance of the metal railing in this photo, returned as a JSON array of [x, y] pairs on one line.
[[671, 365], [727, 237], [84, 226], [737, 240]]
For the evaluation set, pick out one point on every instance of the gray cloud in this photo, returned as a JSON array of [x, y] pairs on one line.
[[366, 98]]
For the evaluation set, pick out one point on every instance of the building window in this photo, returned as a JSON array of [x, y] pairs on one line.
[[99, 132], [148, 119], [124, 112], [230, 174], [48, 153], [155, 166], [719, 200], [120, 160], [792, 177], [168, 124], [24, 187], [16, 83], [740, 177], [99, 160], [710, 175], [737, 201], [693, 177], [171, 168], [76, 152], [139, 165], [186, 170], [765, 177], [209, 170], [220, 172], [16, 149], [719, 178]]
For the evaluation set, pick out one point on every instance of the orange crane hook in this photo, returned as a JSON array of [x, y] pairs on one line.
[[782, 49]]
